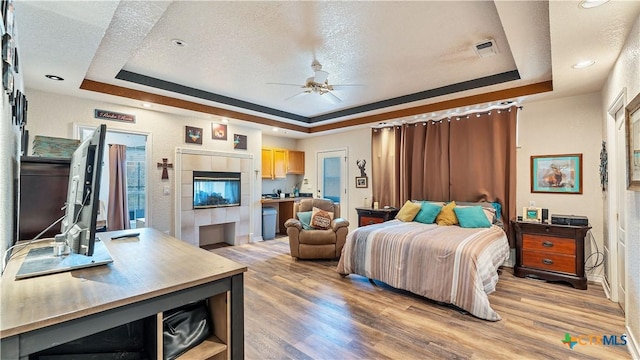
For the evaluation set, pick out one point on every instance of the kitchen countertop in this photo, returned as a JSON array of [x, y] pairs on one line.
[[279, 200]]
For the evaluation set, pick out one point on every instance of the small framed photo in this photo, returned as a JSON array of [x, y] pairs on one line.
[[532, 214], [362, 181], [193, 135], [218, 131], [7, 78], [556, 174], [239, 142]]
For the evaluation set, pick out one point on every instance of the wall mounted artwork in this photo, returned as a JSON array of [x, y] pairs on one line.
[[556, 174], [193, 135], [239, 142], [218, 131]]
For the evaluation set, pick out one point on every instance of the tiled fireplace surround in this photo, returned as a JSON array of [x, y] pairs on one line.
[[224, 224]]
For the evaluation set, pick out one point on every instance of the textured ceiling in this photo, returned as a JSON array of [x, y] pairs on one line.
[[394, 53]]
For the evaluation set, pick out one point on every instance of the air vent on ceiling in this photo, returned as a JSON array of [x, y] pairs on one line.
[[486, 48]]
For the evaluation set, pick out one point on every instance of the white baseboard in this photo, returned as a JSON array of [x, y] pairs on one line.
[[596, 278], [632, 344]]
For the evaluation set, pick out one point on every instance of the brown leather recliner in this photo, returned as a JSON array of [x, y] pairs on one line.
[[317, 244]]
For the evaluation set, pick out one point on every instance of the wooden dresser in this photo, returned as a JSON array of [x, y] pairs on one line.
[[43, 192], [369, 216], [551, 252]]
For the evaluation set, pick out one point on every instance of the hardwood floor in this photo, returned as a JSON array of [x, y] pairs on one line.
[[305, 310]]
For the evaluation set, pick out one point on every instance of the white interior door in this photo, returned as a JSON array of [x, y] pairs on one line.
[[620, 219], [332, 177]]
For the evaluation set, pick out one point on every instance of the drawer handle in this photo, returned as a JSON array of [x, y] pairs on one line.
[[547, 244], [547, 261]]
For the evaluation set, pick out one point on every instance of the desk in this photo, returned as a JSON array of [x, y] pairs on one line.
[[150, 274], [284, 208]]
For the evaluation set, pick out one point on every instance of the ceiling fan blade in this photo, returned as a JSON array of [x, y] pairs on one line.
[[332, 97], [345, 85], [320, 76], [297, 85], [296, 95]]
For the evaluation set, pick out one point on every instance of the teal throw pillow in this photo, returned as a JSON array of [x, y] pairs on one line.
[[472, 217], [305, 219], [428, 212]]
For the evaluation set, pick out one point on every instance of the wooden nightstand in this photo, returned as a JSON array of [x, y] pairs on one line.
[[551, 252], [368, 216]]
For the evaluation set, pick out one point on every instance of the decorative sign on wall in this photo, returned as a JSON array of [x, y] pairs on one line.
[[111, 115]]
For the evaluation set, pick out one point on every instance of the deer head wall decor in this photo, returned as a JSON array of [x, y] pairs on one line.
[[361, 164]]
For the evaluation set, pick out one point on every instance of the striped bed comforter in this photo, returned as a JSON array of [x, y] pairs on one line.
[[449, 264]]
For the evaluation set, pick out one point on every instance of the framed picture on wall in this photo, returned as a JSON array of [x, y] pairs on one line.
[[362, 181], [556, 174], [193, 135], [632, 118], [218, 131], [239, 142]]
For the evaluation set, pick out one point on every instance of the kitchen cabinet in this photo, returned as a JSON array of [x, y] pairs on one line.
[[295, 162], [277, 163], [274, 163]]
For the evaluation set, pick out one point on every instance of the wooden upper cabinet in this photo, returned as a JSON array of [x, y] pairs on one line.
[[274, 164], [295, 162], [279, 163], [267, 164]]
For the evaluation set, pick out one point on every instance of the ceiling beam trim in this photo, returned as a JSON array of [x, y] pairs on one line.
[[120, 91], [443, 105]]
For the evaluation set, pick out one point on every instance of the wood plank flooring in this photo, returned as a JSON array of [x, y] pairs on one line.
[[305, 310]]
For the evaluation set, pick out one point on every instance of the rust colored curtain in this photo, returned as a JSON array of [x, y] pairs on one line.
[[385, 166], [482, 152], [468, 159], [118, 212], [425, 162]]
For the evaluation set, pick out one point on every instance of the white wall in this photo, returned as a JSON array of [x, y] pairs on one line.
[[626, 75], [54, 115], [570, 125], [358, 145]]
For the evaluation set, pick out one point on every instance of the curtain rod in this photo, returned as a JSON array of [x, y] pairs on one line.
[[456, 116]]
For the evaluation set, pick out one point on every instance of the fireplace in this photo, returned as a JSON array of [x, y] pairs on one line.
[[213, 189]]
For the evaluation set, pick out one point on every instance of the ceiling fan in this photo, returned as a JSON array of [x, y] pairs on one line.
[[318, 83]]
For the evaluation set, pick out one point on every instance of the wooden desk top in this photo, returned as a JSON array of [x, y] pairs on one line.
[[143, 267]]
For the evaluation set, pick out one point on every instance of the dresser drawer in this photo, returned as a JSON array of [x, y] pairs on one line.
[[547, 229], [370, 220], [548, 244], [549, 261]]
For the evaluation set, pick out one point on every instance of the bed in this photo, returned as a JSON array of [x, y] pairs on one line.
[[448, 264]]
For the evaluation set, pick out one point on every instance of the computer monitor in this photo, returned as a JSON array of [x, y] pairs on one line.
[[79, 224], [76, 246]]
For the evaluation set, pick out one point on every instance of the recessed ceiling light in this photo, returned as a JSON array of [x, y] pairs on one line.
[[225, 120], [275, 129], [54, 77], [147, 105], [583, 64], [178, 42], [590, 4]]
